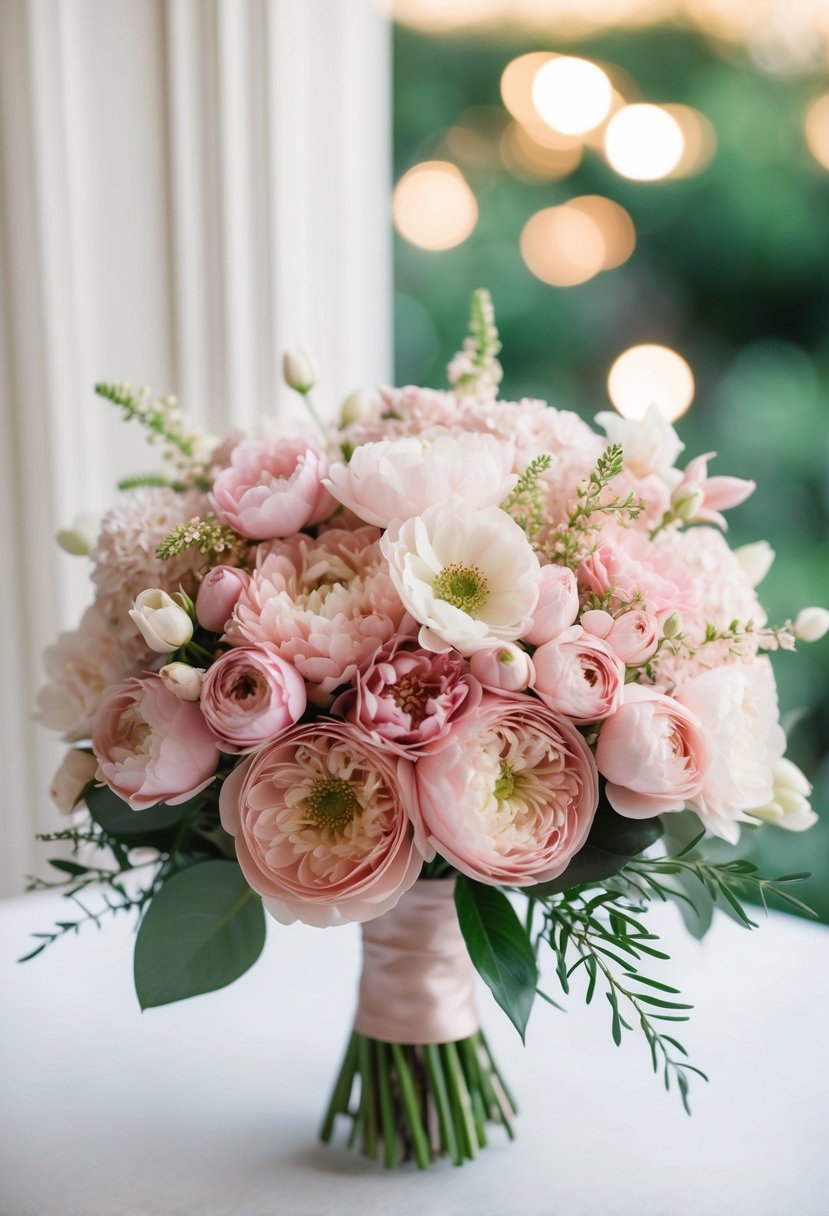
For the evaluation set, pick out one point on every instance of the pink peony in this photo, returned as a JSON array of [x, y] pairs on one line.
[[82, 664], [653, 753], [151, 746], [578, 674], [250, 696], [218, 592], [272, 489], [557, 607], [321, 828], [324, 605], [510, 798], [399, 478], [409, 699]]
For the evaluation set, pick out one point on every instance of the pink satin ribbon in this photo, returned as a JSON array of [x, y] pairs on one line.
[[418, 984]]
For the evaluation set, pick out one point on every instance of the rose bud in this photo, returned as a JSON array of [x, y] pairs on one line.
[[250, 696], [164, 625], [300, 370], [218, 593], [505, 668], [557, 607], [597, 622], [182, 679], [634, 637]]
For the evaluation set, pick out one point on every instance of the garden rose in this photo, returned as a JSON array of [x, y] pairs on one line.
[[399, 478], [249, 696], [634, 636], [557, 607], [653, 753], [151, 746], [578, 674], [272, 489], [218, 592], [408, 699], [321, 828], [469, 577], [511, 796], [504, 668], [163, 624]]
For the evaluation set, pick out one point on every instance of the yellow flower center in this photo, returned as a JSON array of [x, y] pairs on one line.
[[332, 804], [464, 587]]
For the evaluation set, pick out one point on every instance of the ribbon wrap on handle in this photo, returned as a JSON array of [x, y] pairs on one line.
[[418, 983]]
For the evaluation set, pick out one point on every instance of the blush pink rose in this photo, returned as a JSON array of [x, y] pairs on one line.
[[505, 668], [653, 753], [634, 636], [272, 489], [511, 796], [409, 699], [578, 674], [151, 746], [557, 607], [250, 696], [321, 827], [220, 589]]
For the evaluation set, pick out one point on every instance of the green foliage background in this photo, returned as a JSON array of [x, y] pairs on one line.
[[731, 268]]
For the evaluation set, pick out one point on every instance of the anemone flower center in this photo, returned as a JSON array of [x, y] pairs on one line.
[[464, 587], [332, 804], [506, 783]]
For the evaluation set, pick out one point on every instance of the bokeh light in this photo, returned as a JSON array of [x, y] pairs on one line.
[[570, 244], [817, 130], [571, 95], [699, 140], [433, 206], [530, 160], [613, 222], [650, 375], [644, 142]]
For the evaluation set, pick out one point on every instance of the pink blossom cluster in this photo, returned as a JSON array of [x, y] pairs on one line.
[[438, 637]]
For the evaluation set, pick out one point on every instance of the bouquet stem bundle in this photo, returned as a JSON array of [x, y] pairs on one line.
[[419, 1102]]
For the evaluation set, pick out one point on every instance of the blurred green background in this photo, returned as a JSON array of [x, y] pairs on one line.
[[730, 269]]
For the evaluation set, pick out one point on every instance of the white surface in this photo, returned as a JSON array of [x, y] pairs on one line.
[[212, 1106]]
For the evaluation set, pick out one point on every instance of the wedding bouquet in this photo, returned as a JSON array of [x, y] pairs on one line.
[[450, 654]]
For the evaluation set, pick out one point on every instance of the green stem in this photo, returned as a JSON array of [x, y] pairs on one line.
[[461, 1104], [437, 1080], [386, 1108], [420, 1142], [342, 1089]]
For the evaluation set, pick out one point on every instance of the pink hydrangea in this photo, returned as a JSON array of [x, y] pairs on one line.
[[325, 605]]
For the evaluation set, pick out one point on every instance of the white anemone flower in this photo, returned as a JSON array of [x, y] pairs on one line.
[[469, 577]]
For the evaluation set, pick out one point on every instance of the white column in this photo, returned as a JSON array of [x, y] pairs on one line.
[[188, 187]]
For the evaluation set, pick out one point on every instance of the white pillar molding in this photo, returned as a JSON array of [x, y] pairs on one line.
[[188, 188]]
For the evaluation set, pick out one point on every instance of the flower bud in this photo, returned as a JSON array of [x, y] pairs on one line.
[[79, 539], [672, 626], [686, 500], [811, 624], [182, 679], [505, 668], [218, 593], [76, 770], [557, 607], [163, 624], [597, 622], [300, 370], [357, 405], [755, 560], [789, 807]]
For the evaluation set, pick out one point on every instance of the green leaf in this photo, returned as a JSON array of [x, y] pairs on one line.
[[499, 948], [118, 819], [612, 842], [203, 929]]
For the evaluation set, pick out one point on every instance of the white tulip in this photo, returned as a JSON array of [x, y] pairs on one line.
[[300, 370], [811, 624], [789, 807], [182, 679], [163, 624]]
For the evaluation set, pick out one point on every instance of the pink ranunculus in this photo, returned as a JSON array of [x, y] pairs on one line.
[[505, 668], [250, 696], [634, 636], [409, 699], [510, 798], [151, 746], [325, 605], [321, 826], [718, 494], [219, 590], [653, 753], [737, 706], [596, 621], [578, 674], [557, 607], [272, 489]]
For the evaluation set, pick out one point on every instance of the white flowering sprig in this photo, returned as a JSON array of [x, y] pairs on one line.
[[214, 539], [475, 370], [184, 445]]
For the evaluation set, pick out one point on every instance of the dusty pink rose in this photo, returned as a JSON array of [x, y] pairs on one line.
[[219, 590], [511, 797], [152, 746], [325, 605], [250, 696], [653, 753], [409, 699], [578, 674], [557, 607], [505, 668], [737, 707], [634, 636], [321, 827], [272, 489]]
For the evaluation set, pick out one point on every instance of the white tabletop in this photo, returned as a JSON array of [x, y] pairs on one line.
[[212, 1106]]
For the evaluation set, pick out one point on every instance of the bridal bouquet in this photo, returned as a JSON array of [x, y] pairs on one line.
[[451, 659]]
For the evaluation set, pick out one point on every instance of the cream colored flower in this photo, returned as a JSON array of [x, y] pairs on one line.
[[789, 807]]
